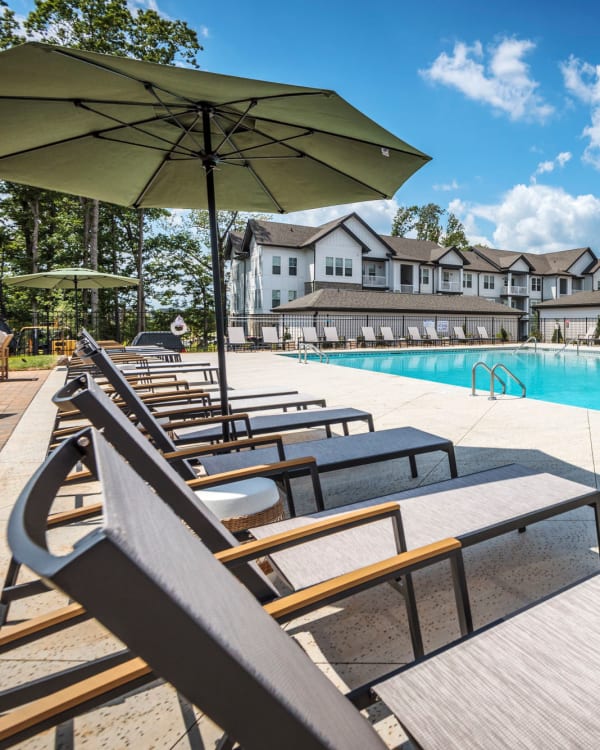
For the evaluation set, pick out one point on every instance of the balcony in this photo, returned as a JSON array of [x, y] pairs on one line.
[[407, 289], [374, 282], [453, 287], [514, 291]]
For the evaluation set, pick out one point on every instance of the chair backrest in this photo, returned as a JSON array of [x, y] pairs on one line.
[[153, 583], [387, 333], [591, 331], [89, 349], [482, 332], [165, 478], [5, 340], [368, 333], [413, 332], [459, 333], [331, 334], [269, 334], [431, 332], [235, 334], [310, 335]]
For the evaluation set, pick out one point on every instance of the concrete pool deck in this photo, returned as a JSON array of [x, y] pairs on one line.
[[365, 635]]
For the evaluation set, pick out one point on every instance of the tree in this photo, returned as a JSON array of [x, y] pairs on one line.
[[426, 223]]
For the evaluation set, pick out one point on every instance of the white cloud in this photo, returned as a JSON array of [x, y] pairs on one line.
[[504, 83], [548, 166], [447, 186], [535, 218], [379, 215], [582, 80]]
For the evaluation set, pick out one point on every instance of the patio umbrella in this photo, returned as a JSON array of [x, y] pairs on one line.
[[142, 134], [71, 278]]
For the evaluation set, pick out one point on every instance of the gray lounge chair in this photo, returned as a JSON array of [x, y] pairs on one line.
[[186, 637], [202, 623], [368, 335], [388, 337], [331, 336]]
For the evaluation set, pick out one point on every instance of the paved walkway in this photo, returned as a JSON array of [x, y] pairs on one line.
[[16, 394]]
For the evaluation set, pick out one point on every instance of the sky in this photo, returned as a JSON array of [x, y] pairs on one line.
[[505, 98]]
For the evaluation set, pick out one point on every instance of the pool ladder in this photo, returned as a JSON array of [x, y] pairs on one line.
[[494, 376], [304, 348]]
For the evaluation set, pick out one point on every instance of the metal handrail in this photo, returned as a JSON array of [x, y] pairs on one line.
[[570, 341], [531, 338], [305, 347], [494, 375]]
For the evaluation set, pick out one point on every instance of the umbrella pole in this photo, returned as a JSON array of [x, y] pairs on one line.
[[76, 308], [216, 265]]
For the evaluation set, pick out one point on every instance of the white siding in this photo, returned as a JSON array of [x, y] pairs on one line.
[[339, 244]]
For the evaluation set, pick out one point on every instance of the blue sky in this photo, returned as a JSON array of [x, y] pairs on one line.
[[505, 97]]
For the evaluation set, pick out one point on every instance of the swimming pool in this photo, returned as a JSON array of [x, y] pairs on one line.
[[559, 377]]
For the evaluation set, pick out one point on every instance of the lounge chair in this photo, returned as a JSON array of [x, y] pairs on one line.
[[368, 335], [271, 338], [236, 339], [188, 602], [459, 335], [590, 335], [5, 339], [530, 680], [483, 334], [331, 336], [310, 336], [433, 336], [415, 337], [388, 337]]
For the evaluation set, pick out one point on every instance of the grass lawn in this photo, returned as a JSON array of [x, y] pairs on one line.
[[32, 362]]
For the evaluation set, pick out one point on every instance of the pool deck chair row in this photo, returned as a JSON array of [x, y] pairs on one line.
[[530, 681]]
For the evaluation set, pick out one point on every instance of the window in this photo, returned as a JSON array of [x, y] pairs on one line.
[[275, 298], [293, 266], [468, 281], [348, 267], [446, 277], [425, 276], [276, 267], [342, 266], [563, 286], [292, 294], [329, 266], [339, 266], [488, 282], [536, 284]]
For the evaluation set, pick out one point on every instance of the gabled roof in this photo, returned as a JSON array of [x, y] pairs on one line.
[[415, 250], [335, 299], [503, 260], [559, 262]]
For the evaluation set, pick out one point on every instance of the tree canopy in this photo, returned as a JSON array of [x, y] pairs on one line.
[[427, 223]]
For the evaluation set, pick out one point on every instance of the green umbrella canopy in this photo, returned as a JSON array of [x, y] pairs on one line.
[[70, 278], [147, 135], [132, 133]]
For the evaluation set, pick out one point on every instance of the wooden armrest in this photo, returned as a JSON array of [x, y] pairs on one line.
[[199, 421], [190, 394], [339, 586], [79, 476], [45, 708], [76, 514], [270, 544], [198, 450], [11, 634], [262, 470]]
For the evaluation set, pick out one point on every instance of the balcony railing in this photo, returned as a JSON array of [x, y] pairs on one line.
[[407, 288], [450, 286], [375, 282], [514, 290]]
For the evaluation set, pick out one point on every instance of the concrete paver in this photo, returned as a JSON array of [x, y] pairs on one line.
[[365, 635]]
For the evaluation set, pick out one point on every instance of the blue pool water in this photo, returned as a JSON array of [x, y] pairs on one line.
[[564, 378]]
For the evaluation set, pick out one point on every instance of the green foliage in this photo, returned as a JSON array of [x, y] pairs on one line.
[[503, 335], [426, 223]]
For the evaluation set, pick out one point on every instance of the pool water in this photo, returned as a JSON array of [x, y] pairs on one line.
[[559, 377]]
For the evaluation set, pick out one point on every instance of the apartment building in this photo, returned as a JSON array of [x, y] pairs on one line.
[[273, 264]]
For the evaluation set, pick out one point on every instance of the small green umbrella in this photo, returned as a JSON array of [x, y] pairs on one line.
[[141, 134], [71, 278]]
